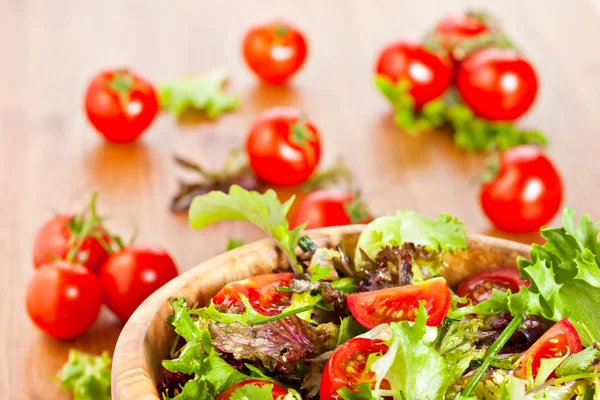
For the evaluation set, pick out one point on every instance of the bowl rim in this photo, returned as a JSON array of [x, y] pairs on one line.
[[130, 367]]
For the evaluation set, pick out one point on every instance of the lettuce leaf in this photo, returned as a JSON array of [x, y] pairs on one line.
[[86, 375], [413, 368], [444, 234], [263, 210], [253, 392]]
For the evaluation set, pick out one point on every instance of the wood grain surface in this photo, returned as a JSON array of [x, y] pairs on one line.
[[50, 158]]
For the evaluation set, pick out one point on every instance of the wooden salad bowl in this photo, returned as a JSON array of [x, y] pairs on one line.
[[147, 338]]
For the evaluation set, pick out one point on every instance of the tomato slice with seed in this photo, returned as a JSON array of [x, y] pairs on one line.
[[559, 340], [401, 303], [478, 287], [261, 291], [346, 367], [277, 392]]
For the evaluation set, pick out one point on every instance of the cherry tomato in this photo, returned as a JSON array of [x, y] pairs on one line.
[[401, 303], [261, 291], [429, 75], [497, 84], [559, 340], [478, 287], [56, 238], [131, 275], [120, 105], [283, 148], [346, 367], [275, 51], [525, 194], [458, 28], [330, 207], [63, 299], [277, 392]]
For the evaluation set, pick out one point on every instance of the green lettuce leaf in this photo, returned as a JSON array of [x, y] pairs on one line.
[[263, 210], [444, 234], [201, 93], [86, 375], [579, 362], [458, 346], [413, 368], [349, 328]]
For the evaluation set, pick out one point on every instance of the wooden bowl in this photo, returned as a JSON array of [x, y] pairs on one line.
[[146, 339]]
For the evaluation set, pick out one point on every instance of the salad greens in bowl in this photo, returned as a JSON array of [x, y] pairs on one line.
[[406, 307]]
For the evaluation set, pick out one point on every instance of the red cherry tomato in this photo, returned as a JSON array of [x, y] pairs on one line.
[[401, 303], [458, 28], [277, 392], [346, 367], [120, 105], [261, 291], [478, 287], [559, 340], [63, 299], [55, 239], [275, 51], [429, 75], [497, 84], [330, 207], [131, 275], [526, 193], [282, 147]]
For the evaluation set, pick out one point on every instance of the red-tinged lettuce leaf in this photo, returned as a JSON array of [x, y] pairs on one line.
[[278, 345]]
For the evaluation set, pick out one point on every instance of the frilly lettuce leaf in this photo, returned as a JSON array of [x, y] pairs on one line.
[[444, 234], [86, 375], [263, 210]]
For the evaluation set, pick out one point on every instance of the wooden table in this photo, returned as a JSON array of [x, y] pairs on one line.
[[50, 158]]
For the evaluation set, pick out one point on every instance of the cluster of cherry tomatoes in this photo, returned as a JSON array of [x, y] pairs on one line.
[[80, 265]]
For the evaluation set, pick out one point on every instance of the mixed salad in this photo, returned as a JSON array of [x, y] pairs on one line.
[[380, 322]]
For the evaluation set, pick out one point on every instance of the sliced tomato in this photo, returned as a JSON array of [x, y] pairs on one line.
[[478, 287], [346, 367], [261, 291], [401, 303], [277, 392], [559, 340]]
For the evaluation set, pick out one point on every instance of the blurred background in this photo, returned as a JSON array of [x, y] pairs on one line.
[[51, 158]]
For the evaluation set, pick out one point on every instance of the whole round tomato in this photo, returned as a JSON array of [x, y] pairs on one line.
[[283, 148], [274, 51], [525, 194], [401, 303], [458, 28], [330, 207], [56, 238], [261, 291], [478, 287], [63, 299], [346, 366], [497, 84], [131, 275], [277, 392], [559, 340], [428, 74], [120, 105]]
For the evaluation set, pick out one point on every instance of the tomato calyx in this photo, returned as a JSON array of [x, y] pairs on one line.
[[86, 224], [122, 83], [281, 30], [236, 170], [336, 174], [357, 210], [300, 134], [492, 168]]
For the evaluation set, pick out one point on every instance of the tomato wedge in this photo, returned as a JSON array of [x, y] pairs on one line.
[[478, 287], [401, 303], [346, 367], [556, 342], [261, 291], [277, 392]]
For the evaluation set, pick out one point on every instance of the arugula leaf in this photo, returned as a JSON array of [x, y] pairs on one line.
[[202, 93], [413, 368], [471, 133], [263, 210], [233, 243], [444, 234], [86, 375], [253, 392]]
